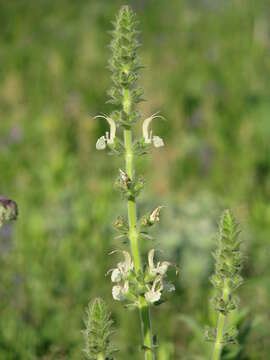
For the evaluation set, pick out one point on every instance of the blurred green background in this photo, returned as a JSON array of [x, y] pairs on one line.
[[207, 69]]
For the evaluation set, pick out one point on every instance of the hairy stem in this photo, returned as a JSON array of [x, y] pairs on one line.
[[217, 348], [135, 250]]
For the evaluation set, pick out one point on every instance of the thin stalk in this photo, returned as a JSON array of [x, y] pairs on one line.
[[135, 250], [218, 345]]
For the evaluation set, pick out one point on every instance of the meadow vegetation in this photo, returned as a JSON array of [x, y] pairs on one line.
[[207, 69]]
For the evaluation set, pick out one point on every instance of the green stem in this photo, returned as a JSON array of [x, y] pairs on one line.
[[135, 250], [218, 345], [146, 329], [132, 212], [101, 357]]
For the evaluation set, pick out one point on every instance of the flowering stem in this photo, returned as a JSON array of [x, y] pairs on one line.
[[226, 279], [134, 245], [217, 348], [134, 236]]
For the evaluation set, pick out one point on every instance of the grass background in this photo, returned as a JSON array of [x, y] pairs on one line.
[[207, 69]]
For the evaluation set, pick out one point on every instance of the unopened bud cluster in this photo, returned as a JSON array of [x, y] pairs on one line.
[[125, 65]]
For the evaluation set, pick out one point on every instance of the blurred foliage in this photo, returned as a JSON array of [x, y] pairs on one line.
[[208, 71]]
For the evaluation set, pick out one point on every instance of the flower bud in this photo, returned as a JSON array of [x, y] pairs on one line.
[[120, 224], [152, 218], [124, 179]]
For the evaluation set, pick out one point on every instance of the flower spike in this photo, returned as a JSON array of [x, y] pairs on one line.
[[109, 136], [141, 285], [147, 135]]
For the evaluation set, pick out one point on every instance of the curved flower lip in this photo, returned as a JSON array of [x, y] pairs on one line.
[[161, 267], [147, 134], [8, 209], [109, 136]]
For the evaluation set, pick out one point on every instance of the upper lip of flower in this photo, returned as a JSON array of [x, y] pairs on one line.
[[147, 135], [109, 136], [123, 268], [161, 267]]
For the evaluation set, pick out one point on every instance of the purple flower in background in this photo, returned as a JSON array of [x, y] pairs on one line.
[[8, 209]]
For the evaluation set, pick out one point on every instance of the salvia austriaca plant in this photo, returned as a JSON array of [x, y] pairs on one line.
[[138, 284], [134, 283], [98, 331], [226, 279]]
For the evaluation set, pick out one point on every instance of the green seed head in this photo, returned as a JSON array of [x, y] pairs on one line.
[[98, 331]]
